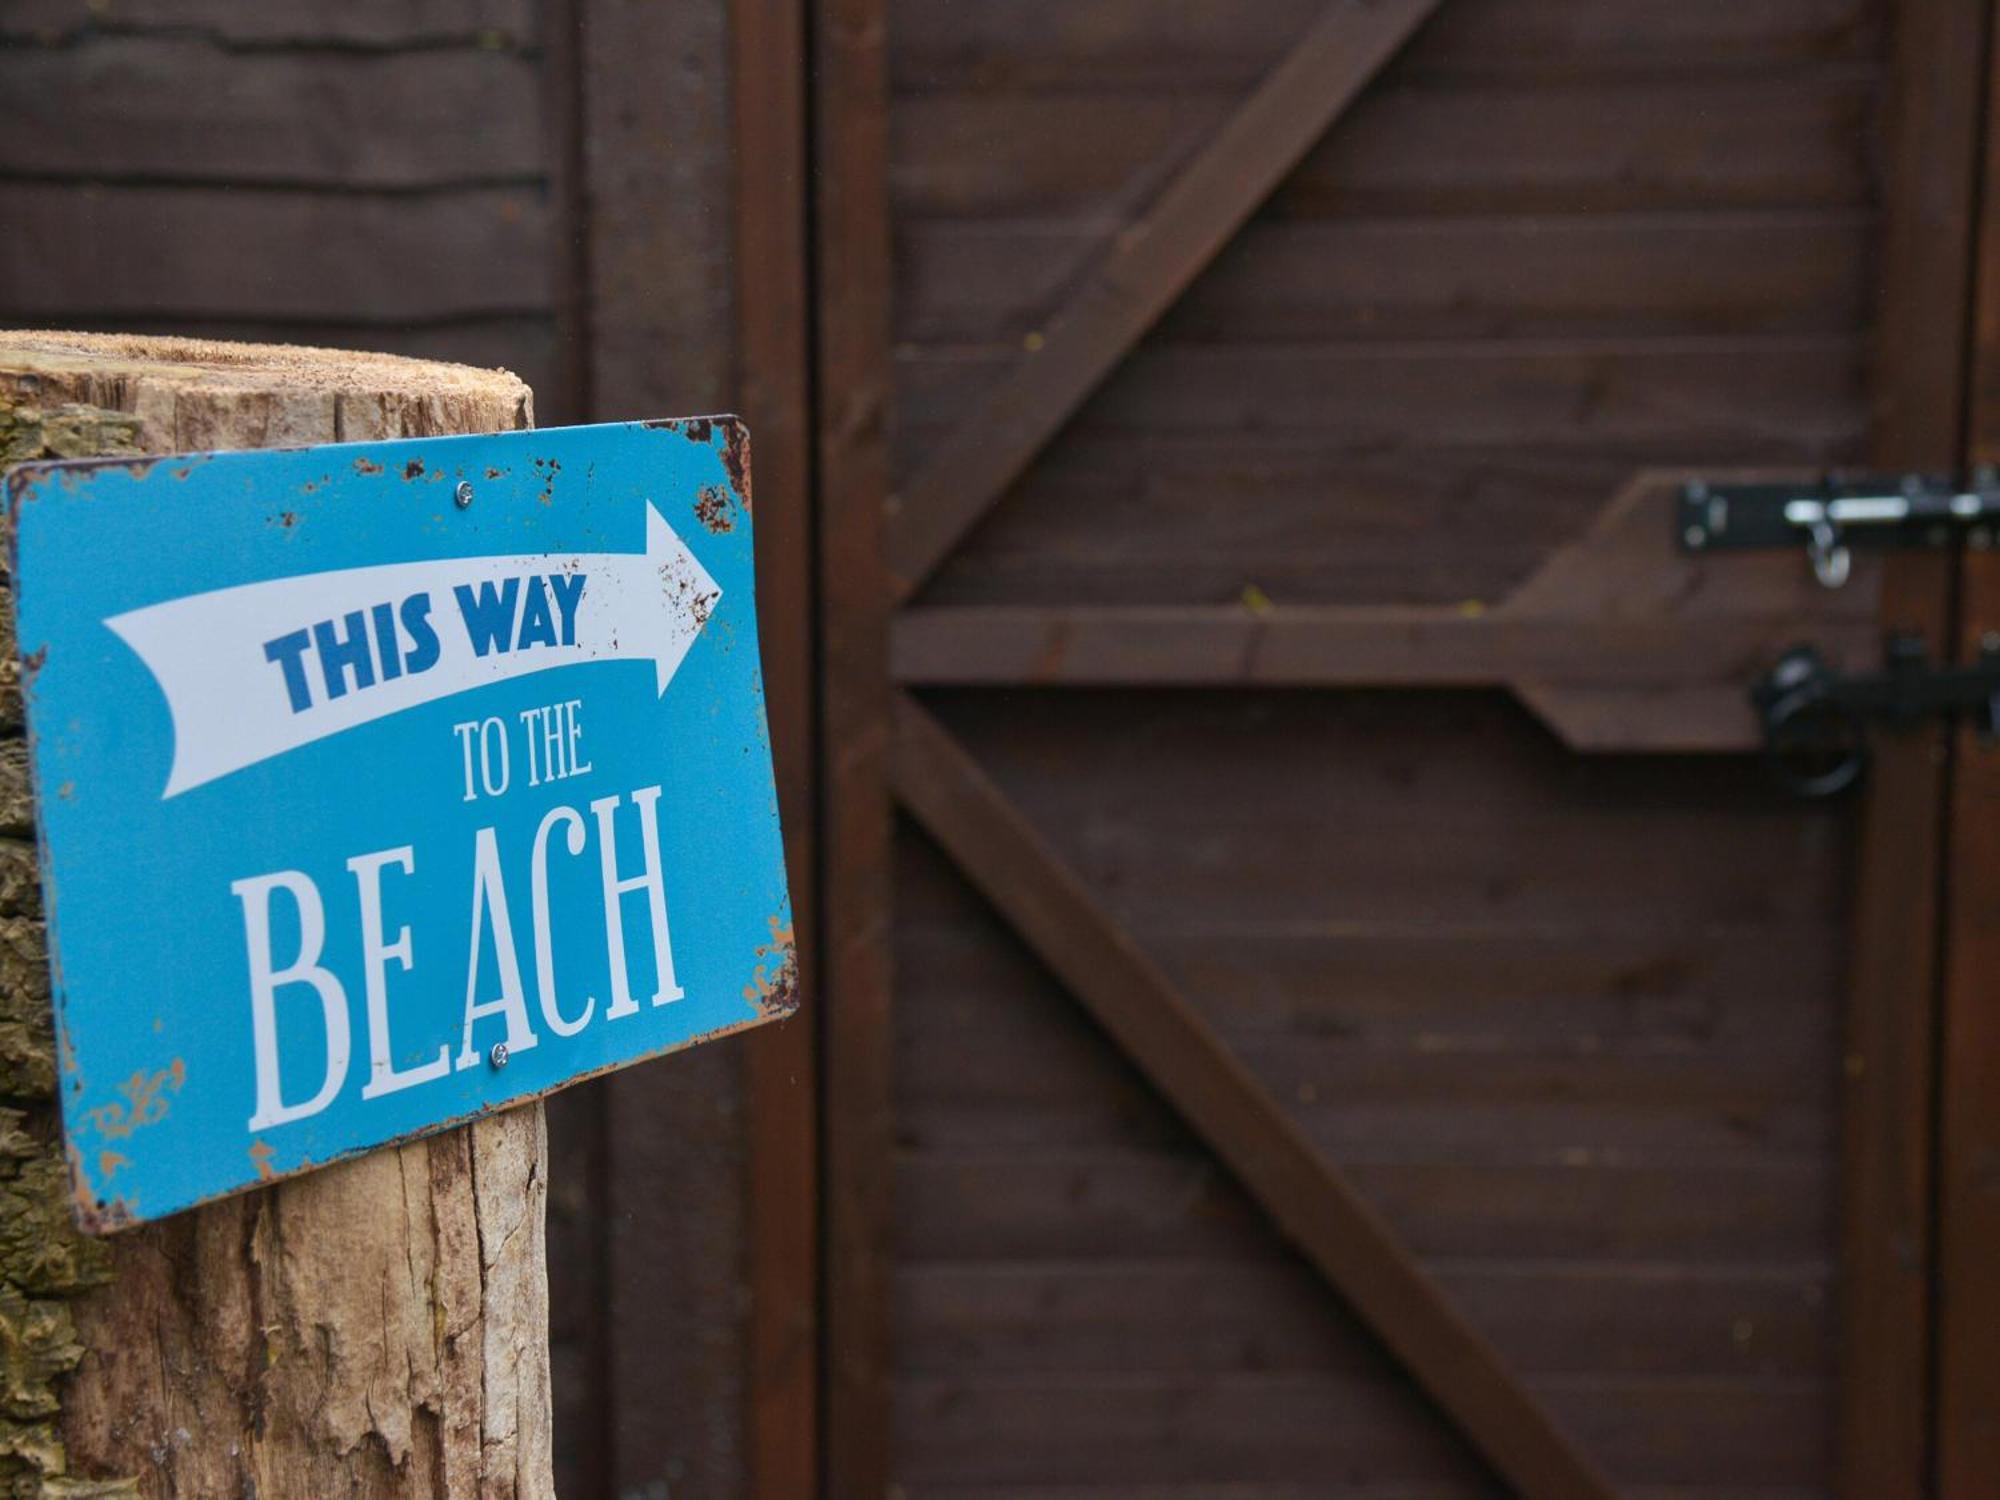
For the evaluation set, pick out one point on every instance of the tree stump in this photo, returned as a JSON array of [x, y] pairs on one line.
[[379, 1327]]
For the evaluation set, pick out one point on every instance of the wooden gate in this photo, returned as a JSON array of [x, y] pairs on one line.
[[1232, 1081]]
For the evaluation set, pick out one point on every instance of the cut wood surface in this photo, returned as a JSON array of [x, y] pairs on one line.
[[378, 1327]]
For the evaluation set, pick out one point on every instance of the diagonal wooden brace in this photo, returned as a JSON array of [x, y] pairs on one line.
[[1151, 264], [1305, 1196]]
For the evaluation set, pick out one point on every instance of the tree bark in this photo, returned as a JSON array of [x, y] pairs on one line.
[[377, 1328]]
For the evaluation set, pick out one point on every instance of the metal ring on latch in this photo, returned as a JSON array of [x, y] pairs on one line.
[[1814, 743], [1831, 562]]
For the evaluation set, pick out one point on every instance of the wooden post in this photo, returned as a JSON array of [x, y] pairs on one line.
[[1968, 1186], [379, 1327]]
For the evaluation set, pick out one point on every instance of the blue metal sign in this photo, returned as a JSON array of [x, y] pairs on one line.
[[382, 785]]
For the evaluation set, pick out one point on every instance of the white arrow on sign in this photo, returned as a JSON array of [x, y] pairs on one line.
[[229, 698]]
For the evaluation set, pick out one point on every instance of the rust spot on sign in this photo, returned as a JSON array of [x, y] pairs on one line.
[[774, 987], [736, 458], [93, 1214], [365, 466], [715, 510], [260, 1158], [144, 1101], [414, 469]]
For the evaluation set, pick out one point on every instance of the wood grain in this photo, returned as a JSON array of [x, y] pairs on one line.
[[1150, 264], [122, 253], [852, 272], [781, 1063], [1888, 1356], [1524, 276], [1967, 1296], [1794, 139], [271, 23], [179, 108], [1316, 1209], [1616, 641], [1167, 45]]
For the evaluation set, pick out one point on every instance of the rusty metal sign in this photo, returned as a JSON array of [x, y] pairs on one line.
[[383, 785]]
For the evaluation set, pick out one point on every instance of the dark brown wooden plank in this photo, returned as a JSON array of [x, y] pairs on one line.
[[1283, 817], [1889, 1076], [1520, 276], [1331, 645], [1800, 400], [1733, 994], [1033, 1430], [1132, 1204], [127, 254], [658, 159], [580, 1412], [1149, 266], [672, 1277], [1967, 1294], [1201, 516], [270, 23], [1890, 1071], [1342, 1236], [1698, 1109], [1776, 1433], [767, 45], [657, 260], [1565, 669], [1452, 986], [180, 109], [1388, 1489], [567, 399], [1171, 44], [1191, 1317], [992, 1055], [852, 270], [1361, 1488], [1141, 1429], [1788, 141], [1683, 631]]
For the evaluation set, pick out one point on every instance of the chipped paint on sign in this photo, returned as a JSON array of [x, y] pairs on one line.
[[389, 784]]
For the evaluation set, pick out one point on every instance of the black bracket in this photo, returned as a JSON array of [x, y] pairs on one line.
[[1816, 719], [1840, 512]]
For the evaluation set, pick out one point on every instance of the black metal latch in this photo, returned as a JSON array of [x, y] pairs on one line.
[[1816, 719], [1839, 513]]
